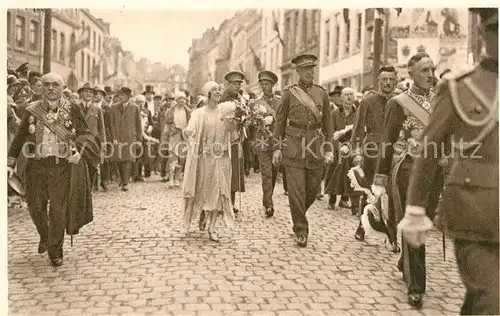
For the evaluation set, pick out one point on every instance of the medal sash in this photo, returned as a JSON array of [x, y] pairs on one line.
[[307, 101]]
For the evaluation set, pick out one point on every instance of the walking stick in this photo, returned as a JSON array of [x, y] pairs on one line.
[[444, 248]]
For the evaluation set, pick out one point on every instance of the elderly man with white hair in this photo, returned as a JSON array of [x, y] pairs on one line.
[[343, 119], [176, 119], [54, 136], [207, 178]]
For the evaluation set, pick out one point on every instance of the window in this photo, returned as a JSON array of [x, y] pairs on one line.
[[359, 28], [62, 51], [304, 27], [336, 34], [72, 54], [295, 37], [316, 21], [99, 45], [83, 64], [34, 35], [94, 73], [94, 41], [89, 74], [288, 40], [54, 44], [347, 37], [264, 61], [9, 27], [271, 55], [277, 51], [20, 27], [327, 43]]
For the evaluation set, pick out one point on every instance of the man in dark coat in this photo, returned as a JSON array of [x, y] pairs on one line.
[[406, 116], [303, 125], [59, 150], [466, 115], [368, 129], [95, 122], [232, 93], [127, 134], [100, 100]]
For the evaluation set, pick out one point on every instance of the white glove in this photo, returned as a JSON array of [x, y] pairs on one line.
[[10, 171], [75, 158], [414, 225], [268, 120], [328, 157], [337, 135], [348, 128], [344, 149], [378, 190], [150, 129]]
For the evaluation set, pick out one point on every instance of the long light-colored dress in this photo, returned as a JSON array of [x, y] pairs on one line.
[[207, 176]]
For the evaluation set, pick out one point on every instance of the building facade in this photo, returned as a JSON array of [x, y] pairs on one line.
[[342, 48], [272, 46], [301, 35], [198, 73], [25, 38]]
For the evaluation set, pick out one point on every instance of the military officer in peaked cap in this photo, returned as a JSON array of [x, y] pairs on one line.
[[267, 106], [303, 128], [465, 115], [232, 93]]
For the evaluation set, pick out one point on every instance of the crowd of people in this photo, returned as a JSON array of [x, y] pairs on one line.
[[322, 142]]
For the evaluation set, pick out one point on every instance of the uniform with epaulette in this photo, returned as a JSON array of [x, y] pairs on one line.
[[406, 116], [465, 114], [303, 125], [266, 106]]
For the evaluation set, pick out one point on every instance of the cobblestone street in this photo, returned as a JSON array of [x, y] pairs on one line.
[[134, 260]]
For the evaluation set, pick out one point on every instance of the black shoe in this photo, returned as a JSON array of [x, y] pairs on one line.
[[164, 180], [124, 188], [302, 241], [395, 248], [202, 223], [104, 187], [416, 300], [269, 212], [343, 204], [319, 197], [42, 247], [360, 233], [57, 262], [235, 210]]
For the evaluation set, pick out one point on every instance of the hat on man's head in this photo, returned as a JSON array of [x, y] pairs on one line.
[[86, 86], [305, 60], [12, 81], [336, 91], [100, 88], [169, 96], [235, 76], [23, 69], [12, 72], [157, 97], [108, 90], [126, 91], [268, 75], [149, 89]]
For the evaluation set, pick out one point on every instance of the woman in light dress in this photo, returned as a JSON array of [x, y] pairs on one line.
[[207, 177]]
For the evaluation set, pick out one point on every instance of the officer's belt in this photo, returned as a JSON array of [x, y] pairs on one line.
[[304, 126]]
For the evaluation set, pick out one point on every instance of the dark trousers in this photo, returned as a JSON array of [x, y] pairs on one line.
[[412, 260], [105, 172], [49, 180], [124, 169], [93, 176], [303, 187], [269, 174], [283, 176], [478, 266]]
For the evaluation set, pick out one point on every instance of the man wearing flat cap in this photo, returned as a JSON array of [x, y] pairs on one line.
[[127, 134], [465, 115], [95, 122], [303, 125], [232, 93], [54, 137], [267, 106]]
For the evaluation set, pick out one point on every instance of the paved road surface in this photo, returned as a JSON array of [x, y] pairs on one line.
[[133, 260]]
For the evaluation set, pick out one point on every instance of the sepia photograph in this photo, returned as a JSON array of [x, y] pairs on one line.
[[252, 161]]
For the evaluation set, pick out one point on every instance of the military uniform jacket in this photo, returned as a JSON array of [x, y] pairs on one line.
[[263, 136], [298, 132], [469, 205]]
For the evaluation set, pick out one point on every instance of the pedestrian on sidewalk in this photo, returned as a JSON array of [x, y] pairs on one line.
[[207, 179]]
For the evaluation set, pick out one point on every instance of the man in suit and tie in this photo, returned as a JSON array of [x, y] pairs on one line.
[[95, 121], [126, 128]]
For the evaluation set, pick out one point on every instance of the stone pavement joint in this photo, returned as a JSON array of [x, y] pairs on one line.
[[133, 259]]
